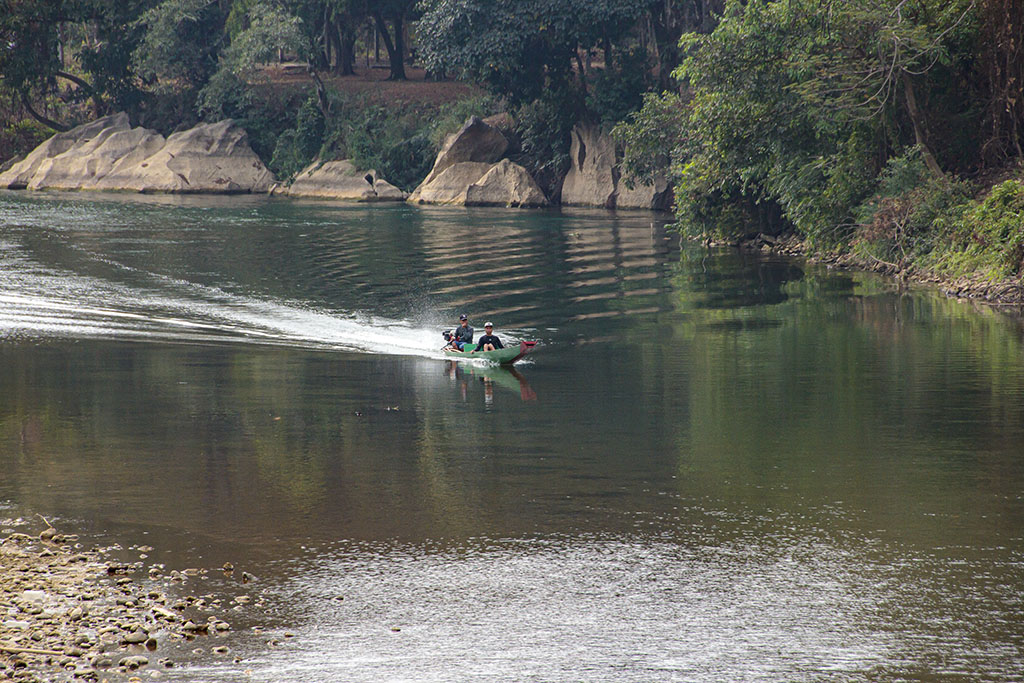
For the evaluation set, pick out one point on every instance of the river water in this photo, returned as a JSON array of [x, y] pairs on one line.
[[718, 467]]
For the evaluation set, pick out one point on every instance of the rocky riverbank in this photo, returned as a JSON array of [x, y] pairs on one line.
[[1004, 294], [69, 613]]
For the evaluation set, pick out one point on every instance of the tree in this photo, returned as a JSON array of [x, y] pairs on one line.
[[521, 48], [181, 43], [83, 42], [792, 109], [389, 16], [1002, 70]]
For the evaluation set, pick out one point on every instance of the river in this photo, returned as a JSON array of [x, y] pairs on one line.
[[718, 466]]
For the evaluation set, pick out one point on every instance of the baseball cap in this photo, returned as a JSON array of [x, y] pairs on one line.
[[488, 324], [463, 317]]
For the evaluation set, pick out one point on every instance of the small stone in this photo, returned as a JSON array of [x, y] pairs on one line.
[[133, 661], [136, 637], [151, 644], [102, 662], [220, 650]]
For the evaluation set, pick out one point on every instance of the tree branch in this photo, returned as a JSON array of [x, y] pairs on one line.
[[49, 123]]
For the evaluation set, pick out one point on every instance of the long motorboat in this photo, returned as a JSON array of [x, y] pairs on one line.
[[506, 356]]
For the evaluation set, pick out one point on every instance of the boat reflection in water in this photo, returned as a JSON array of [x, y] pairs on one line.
[[489, 376]]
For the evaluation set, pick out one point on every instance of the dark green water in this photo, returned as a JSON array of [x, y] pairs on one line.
[[718, 467]]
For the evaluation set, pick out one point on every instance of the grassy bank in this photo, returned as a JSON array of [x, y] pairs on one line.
[[966, 240]]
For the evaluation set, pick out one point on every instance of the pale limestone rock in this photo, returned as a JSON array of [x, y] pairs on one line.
[[341, 180], [210, 158], [656, 196], [594, 179], [475, 142], [108, 154], [450, 185], [21, 174], [82, 166], [591, 178], [505, 184]]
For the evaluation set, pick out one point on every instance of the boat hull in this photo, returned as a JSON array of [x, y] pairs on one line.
[[505, 356]]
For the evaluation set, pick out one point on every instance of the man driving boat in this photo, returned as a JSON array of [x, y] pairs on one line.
[[463, 334]]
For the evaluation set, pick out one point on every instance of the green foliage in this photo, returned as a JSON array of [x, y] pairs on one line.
[[543, 127], [399, 142], [522, 49], [792, 110], [17, 139], [615, 93], [181, 43], [269, 30], [984, 237], [898, 224], [297, 146], [452, 115], [394, 141], [651, 137]]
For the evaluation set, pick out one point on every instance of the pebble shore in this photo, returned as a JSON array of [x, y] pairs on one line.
[[73, 614]]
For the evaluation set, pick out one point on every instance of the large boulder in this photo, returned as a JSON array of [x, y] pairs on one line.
[[210, 158], [591, 178], [477, 142], [505, 184], [656, 196], [108, 154], [341, 180], [85, 164], [594, 178], [450, 185], [18, 176]]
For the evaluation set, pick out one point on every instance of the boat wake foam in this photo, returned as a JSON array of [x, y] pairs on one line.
[[47, 305]]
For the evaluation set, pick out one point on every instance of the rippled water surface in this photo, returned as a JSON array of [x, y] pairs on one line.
[[718, 467]]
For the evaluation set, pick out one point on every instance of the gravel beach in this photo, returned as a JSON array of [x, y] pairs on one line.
[[69, 613]]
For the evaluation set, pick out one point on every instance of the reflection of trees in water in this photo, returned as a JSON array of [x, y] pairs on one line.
[[729, 278], [876, 400]]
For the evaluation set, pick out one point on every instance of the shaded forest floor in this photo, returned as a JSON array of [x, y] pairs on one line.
[[371, 82]]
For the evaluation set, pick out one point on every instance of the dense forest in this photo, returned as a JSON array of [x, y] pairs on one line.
[[887, 129]]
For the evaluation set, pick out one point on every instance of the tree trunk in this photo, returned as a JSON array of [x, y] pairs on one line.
[[347, 50], [60, 128], [395, 48], [334, 39], [920, 127], [98, 108], [583, 72]]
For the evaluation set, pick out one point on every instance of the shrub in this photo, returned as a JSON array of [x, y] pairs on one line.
[[543, 129], [985, 237], [901, 223], [296, 147], [616, 93], [21, 138]]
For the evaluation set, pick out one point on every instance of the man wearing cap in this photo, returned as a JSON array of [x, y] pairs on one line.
[[463, 333], [488, 342]]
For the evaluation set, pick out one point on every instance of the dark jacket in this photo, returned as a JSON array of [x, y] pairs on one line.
[[463, 334]]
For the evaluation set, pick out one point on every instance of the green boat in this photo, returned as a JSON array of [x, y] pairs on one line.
[[505, 356]]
